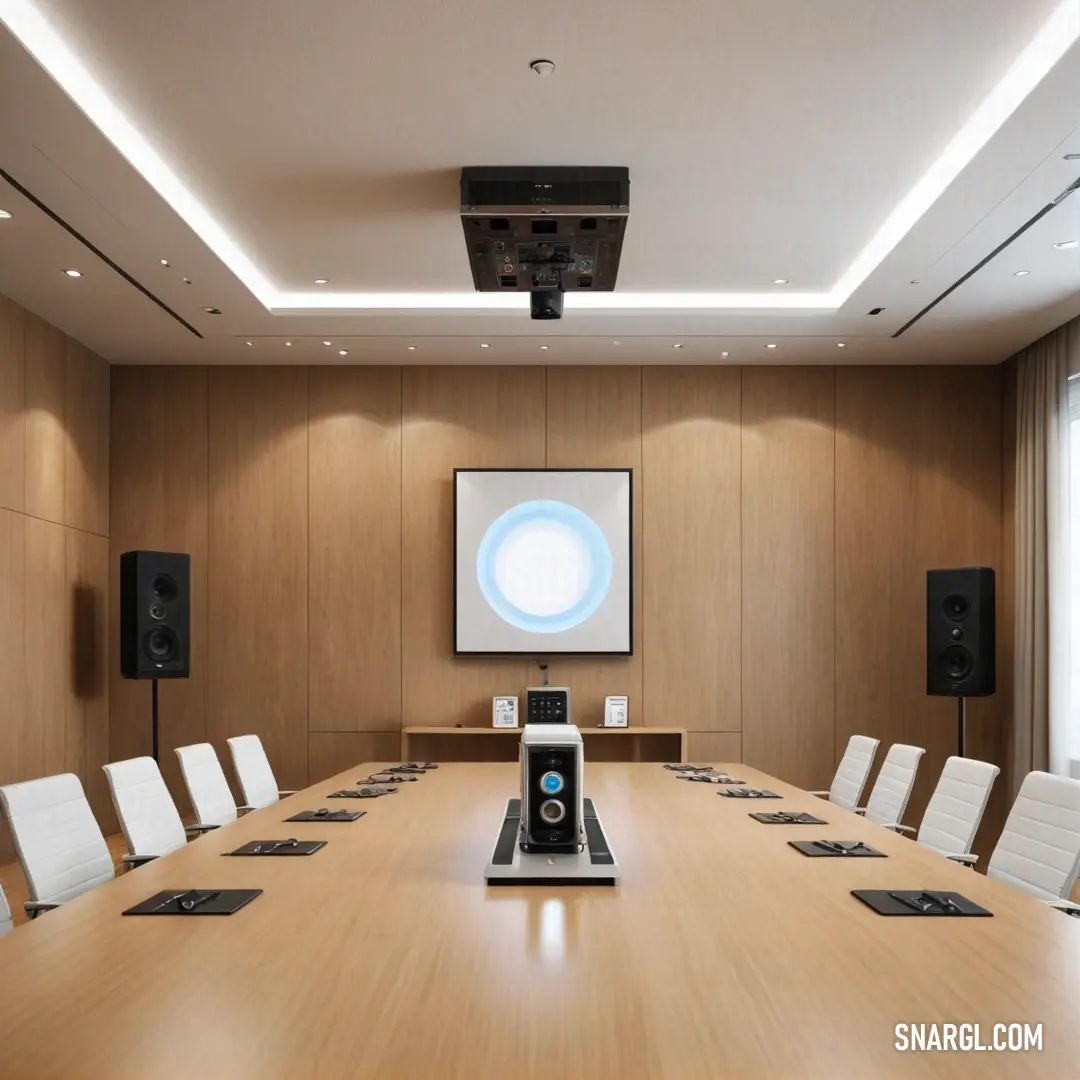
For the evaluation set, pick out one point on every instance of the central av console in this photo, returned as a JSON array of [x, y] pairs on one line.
[[551, 835]]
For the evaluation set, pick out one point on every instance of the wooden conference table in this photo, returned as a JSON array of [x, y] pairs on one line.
[[723, 953]]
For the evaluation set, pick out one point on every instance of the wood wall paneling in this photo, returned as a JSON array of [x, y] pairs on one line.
[[12, 406], [788, 590], [355, 586], [86, 566], [713, 747], [331, 752], [691, 483], [86, 465], [594, 422], [258, 563], [46, 438], [18, 753], [159, 503], [492, 417]]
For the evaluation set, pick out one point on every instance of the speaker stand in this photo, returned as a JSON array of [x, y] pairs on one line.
[[153, 715], [961, 718]]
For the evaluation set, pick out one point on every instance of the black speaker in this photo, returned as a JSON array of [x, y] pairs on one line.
[[960, 632], [155, 616]]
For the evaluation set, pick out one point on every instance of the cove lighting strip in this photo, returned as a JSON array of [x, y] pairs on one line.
[[41, 40]]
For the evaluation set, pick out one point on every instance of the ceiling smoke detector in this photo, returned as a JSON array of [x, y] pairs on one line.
[[542, 67]]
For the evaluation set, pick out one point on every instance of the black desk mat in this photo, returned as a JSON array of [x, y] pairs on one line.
[[225, 902], [788, 819], [383, 778], [750, 793], [301, 847], [411, 767], [849, 851], [884, 903], [332, 815], [362, 793], [710, 778]]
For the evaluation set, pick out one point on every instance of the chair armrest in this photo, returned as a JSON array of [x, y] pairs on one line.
[[199, 828], [819, 794], [966, 860], [859, 809], [34, 908], [285, 794], [241, 810], [897, 827], [130, 861], [1065, 905]]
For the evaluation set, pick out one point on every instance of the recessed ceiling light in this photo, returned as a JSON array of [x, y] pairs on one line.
[[249, 342], [1021, 273], [484, 345], [771, 345], [677, 345], [723, 354], [4, 215], [542, 67], [164, 262], [73, 273], [288, 343], [543, 348], [187, 281], [212, 310], [343, 352], [412, 348], [915, 281], [321, 281], [781, 281], [328, 343], [614, 343], [1064, 245], [841, 344]]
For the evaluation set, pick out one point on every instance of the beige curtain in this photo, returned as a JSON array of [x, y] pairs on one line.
[[1043, 704]]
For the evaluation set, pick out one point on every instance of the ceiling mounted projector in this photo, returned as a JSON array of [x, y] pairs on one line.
[[544, 231]]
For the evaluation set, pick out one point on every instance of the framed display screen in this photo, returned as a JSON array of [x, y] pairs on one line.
[[543, 561]]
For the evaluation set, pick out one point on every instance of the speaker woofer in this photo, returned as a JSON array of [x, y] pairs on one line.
[[959, 662], [956, 607], [161, 644], [552, 811]]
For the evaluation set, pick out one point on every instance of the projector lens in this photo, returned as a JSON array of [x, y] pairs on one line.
[[551, 783], [552, 811]]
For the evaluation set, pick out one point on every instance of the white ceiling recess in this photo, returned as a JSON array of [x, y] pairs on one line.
[[871, 155]]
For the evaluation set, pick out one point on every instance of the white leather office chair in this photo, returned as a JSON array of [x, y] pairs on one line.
[[1039, 848], [59, 843], [851, 773], [956, 808], [207, 787], [148, 816], [5, 915], [253, 770], [892, 788]]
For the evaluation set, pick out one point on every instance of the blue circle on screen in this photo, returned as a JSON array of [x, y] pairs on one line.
[[544, 566]]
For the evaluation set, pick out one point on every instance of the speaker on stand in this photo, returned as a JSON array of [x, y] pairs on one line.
[[960, 637], [155, 620]]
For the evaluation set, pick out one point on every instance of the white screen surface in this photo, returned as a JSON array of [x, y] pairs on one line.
[[542, 561]]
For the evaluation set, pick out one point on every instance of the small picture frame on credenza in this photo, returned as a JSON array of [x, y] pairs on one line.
[[616, 711], [504, 712]]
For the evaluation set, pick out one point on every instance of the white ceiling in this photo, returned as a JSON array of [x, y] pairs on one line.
[[765, 139]]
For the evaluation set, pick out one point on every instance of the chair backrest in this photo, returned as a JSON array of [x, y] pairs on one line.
[[147, 814], [892, 788], [5, 914], [851, 773], [1039, 848], [59, 842], [956, 808], [207, 787], [253, 771]]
